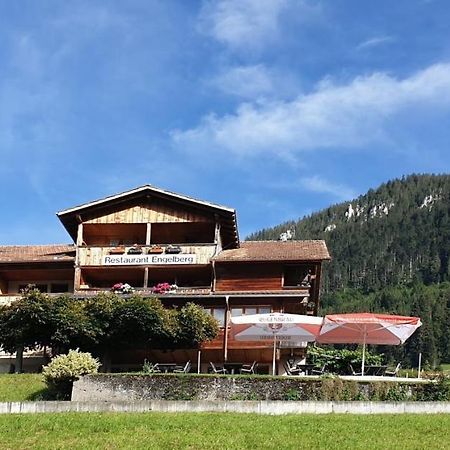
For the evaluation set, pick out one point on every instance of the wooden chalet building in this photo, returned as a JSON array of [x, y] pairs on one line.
[[148, 236]]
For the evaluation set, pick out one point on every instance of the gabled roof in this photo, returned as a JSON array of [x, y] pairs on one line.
[[36, 253], [266, 251], [70, 217], [143, 189]]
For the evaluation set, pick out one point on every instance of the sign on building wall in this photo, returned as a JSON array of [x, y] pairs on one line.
[[133, 260]]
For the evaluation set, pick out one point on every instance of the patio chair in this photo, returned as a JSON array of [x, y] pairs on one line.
[[393, 372], [149, 367], [354, 372], [249, 368], [183, 369], [215, 369], [291, 370], [319, 370]]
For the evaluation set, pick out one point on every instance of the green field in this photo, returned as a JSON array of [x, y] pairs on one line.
[[228, 431], [21, 387]]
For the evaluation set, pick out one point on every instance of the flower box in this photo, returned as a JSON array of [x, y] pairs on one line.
[[135, 250], [164, 288], [120, 250], [155, 249], [122, 288], [172, 249]]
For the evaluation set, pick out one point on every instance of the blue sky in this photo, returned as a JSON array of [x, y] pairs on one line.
[[277, 108]]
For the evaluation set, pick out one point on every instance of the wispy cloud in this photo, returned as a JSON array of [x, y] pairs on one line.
[[242, 23], [334, 115], [322, 186], [245, 81], [251, 82], [318, 184], [374, 42]]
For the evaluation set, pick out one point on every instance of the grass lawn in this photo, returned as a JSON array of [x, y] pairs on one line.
[[21, 387], [229, 431]]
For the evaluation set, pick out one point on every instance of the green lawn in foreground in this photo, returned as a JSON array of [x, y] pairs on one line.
[[21, 387], [227, 431]]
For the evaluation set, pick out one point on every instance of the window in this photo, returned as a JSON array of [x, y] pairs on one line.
[[297, 276], [57, 288], [248, 310], [40, 287], [218, 314]]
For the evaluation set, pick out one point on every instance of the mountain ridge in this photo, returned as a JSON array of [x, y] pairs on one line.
[[396, 233]]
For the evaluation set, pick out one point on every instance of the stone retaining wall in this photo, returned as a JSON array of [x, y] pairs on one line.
[[107, 387]]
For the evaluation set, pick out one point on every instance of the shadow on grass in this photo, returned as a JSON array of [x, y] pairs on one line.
[[44, 394]]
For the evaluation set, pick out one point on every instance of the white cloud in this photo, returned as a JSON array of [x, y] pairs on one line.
[[374, 42], [323, 186], [253, 82], [241, 23], [245, 81], [317, 184], [334, 115]]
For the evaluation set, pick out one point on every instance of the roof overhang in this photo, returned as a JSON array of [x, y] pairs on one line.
[[71, 217]]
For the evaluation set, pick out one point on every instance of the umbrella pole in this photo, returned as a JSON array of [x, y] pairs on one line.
[[274, 354], [363, 355]]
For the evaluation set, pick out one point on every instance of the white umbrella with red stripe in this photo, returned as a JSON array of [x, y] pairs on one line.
[[294, 328]]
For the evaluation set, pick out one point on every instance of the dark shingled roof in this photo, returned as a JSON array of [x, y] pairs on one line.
[[36, 253], [276, 251]]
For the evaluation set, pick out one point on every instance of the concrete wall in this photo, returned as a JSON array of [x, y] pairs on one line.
[[32, 363], [257, 407], [107, 387]]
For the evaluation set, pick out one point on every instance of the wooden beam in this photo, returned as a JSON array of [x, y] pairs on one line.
[[317, 288], [80, 234], [77, 279], [225, 334], [213, 286], [148, 236]]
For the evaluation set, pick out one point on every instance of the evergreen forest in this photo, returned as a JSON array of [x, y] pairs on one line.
[[390, 252]]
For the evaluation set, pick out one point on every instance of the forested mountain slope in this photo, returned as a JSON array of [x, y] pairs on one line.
[[397, 233], [390, 252]]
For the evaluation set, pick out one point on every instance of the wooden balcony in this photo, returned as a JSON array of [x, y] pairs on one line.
[[7, 299], [97, 256]]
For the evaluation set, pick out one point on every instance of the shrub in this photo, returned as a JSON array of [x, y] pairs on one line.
[[437, 391], [63, 370]]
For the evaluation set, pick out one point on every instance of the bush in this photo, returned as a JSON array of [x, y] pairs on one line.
[[63, 370], [338, 360], [437, 391]]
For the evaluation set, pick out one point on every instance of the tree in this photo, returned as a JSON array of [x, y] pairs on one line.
[[101, 324], [195, 326]]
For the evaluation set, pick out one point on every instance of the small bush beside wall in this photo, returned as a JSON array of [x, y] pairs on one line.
[[63, 370]]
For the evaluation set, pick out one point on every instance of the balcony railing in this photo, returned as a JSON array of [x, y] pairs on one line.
[[146, 292], [7, 299], [97, 256]]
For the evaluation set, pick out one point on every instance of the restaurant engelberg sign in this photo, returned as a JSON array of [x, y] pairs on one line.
[[163, 259]]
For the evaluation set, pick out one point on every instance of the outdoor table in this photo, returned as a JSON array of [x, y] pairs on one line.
[[233, 367], [166, 367], [375, 370], [306, 368]]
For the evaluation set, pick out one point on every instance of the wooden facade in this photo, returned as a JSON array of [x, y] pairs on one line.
[[147, 236]]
